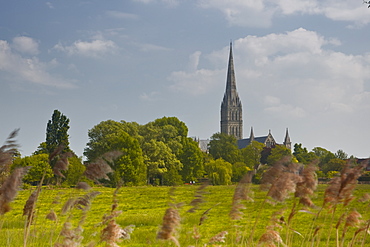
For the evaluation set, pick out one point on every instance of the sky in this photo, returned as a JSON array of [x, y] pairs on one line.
[[302, 65]]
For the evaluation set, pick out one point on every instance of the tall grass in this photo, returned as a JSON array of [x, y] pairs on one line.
[[288, 209]]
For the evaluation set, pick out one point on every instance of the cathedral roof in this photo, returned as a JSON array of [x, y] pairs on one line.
[[245, 142]]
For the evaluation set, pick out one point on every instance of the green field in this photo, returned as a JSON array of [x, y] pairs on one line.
[[144, 207]]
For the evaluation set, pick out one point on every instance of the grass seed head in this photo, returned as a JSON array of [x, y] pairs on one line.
[[218, 238], [171, 220], [10, 187], [52, 216]]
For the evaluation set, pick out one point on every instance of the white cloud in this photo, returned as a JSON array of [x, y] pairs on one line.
[[169, 3], [194, 61], [94, 48], [152, 96], [151, 47], [28, 69], [300, 76], [25, 45], [251, 13], [196, 82], [259, 13], [50, 5], [121, 15]]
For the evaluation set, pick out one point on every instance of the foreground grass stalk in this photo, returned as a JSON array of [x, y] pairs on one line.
[[31, 213]]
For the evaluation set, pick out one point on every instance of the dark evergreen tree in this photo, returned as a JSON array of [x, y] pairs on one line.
[[57, 133]]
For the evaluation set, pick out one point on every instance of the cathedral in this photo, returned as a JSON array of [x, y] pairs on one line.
[[231, 114]]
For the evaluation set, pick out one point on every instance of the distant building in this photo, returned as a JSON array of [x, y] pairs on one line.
[[231, 114]]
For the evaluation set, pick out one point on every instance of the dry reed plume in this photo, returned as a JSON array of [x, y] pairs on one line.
[[199, 197], [340, 188], [218, 238], [281, 179], [99, 168], [241, 193], [73, 236], [171, 220], [10, 187], [7, 152]]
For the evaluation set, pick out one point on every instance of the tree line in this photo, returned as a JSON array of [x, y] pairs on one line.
[[157, 153]]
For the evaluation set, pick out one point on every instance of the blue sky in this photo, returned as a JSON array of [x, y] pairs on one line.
[[302, 65]]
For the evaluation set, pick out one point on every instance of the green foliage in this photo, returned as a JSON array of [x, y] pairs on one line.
[[239, 170], [340, 154], [110, 136], [39, 164], [333, 165], [302, 155], [75, 171], [57, 132], [191, 158], [41, 149], [159, 160], [252, 154], [219, 172], [181, 128], [277, 153], [224, 146]]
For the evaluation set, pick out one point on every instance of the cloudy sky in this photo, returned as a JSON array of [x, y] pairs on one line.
[[302, 65]]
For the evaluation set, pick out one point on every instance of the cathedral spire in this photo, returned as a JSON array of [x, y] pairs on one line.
[[231, 106], [287, 143], [251, 137], [230, 81]]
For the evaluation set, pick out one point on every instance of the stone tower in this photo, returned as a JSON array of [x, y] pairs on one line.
[[231, 106]]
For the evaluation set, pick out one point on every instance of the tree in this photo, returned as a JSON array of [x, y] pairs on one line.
[[57, 132], [191, 158], [160, 160], [324, 156], [252, 154], [277, 153], [224, 146], [333, 165], [39, 164], [181, 128], [219, 172], [75, 171], [302, 155], [110, 136], [239, 170], [340, 154]]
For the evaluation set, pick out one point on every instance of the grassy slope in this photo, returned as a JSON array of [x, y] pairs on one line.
[[144, 207]]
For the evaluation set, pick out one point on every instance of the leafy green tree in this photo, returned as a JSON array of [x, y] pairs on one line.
[[302, 154], [277, 153], [239, 170], [57, 132], [39, 164], [224, 146], [75, 171], [160, 160], [340, 154], [181, 128], [333, 165], [109, 136], [98, 137], [251, 154], [219, 172], [324, 156], [41, 149], [191, 158]]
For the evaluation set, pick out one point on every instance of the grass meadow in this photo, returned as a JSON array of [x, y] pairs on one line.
[[259, 222]]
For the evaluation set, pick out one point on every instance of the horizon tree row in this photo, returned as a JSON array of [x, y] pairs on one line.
[[158, 153]]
